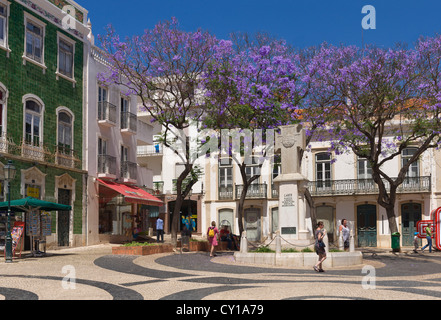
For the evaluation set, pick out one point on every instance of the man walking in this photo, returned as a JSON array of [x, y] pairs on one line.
[[159, 229], [429, 238]]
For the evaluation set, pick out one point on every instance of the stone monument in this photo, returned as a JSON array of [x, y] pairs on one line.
[[292, 184]]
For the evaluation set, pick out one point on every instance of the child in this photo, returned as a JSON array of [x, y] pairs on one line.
[[415, 242]]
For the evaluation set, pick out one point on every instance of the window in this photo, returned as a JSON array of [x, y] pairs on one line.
[[406, 155], [102, 147], [124, 105], [34, 41], [124, 154], [323, 169], [225, 180], [64, 132], [32, 123], [364, 169], [3, 25], [65, 58], [2, 109], [253, 170], [277, 170], [364, 174], [102, 94]]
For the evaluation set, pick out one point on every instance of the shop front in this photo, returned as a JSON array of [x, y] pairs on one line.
[[122, 211]]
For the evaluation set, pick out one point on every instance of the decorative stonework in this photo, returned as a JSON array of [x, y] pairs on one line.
[[62, 3], [49, 16]]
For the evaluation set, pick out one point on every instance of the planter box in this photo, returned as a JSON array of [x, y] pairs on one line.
[[199, 246], [143, 250]]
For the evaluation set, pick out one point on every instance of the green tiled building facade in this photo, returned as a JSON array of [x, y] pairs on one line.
[[41, 99]]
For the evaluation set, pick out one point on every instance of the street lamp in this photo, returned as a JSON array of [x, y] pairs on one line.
[[9, 173]]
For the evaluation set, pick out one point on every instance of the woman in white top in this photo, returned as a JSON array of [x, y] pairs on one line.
[[344, 231]]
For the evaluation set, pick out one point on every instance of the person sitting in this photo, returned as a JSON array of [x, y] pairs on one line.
[[226, 236]]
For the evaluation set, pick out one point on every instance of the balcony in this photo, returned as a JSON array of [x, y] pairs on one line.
[[34, 150], [106, 166], [67, 157], [146, 154], [255, 191], [128, 171], [226, 193], [149, 151], [129, 123], [106, 114], [365, 186], [158, 187]]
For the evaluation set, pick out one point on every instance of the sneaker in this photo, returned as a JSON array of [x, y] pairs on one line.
[[316, 269], [321, 270]]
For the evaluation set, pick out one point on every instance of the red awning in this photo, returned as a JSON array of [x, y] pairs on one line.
[[133, 194]]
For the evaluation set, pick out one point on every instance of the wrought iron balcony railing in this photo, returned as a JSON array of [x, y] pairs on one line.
[[128, 170], [106, 164], [106, 113], [255, 191], [226, 192], [129, 122], [366, 186], [67, 157]]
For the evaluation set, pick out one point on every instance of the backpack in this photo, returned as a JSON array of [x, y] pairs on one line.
[[211, 233]]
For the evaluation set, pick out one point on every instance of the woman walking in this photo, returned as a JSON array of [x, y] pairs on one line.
[[320, 233], [212, 233]]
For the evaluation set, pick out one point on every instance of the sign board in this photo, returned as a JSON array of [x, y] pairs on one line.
[[288, 230], [421, 228], [435, 216], [16, 234]]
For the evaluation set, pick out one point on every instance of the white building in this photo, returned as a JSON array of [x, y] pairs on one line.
[[341, 187], [117, 197]]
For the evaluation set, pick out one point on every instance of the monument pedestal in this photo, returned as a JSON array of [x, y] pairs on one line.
[[292, 184], [292, 210]]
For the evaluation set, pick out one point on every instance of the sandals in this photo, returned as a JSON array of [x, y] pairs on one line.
[[318, 270]]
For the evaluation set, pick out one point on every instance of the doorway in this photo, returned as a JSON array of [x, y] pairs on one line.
[[252, 224], [63, 221], [367, 225], [410, 214]]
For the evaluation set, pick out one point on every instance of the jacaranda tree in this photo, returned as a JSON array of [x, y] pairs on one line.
[[162, 67], [251, 89], [386, 101]]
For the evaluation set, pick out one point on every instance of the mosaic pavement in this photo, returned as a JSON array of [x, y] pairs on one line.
[[93, 273]]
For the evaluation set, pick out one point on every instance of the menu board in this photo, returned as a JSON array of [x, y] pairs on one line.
[[46, 224], [33, 223]]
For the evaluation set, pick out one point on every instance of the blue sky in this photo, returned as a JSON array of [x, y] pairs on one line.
[[301, 22]]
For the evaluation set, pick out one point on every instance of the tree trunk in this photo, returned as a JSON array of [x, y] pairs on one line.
[[175, 220], [390, 211], [240, 208]]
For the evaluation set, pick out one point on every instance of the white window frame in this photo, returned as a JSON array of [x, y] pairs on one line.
[[70, 113], [29, 18], [41, 114], [5, 44], [4, 102], [62, 37]]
